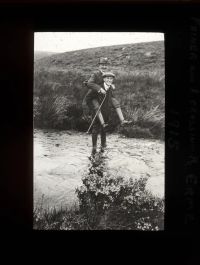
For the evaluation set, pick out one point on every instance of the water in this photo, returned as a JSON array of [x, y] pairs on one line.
[[61, 160]]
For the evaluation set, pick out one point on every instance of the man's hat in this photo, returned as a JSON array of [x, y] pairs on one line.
[[107, 74], [104, 60]]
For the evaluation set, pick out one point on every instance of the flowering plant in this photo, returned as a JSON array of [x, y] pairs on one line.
[[111, 202]]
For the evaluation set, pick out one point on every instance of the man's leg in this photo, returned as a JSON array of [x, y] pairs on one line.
[[103, 140], [94, 142], [120, 115], [95, 131]]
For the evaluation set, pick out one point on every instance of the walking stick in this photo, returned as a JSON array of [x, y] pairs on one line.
[[96, 114]]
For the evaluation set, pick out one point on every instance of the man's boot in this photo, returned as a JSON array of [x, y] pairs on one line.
[[121, 117]]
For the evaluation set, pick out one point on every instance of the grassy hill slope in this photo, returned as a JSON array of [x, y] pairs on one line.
[[129, 57], [139, 69], [40, 54]]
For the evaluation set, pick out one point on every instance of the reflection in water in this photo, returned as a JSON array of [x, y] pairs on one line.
[[98, 164]]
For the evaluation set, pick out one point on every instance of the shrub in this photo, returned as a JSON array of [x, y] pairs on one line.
[[105, 203], [147, 124], [110, 202], [50, 111], [136, 132]]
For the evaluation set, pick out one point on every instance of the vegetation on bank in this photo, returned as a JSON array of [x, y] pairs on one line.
[[106, 202], [59, 105], [140, 88]]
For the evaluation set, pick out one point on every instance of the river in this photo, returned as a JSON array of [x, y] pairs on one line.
[[61, 158]]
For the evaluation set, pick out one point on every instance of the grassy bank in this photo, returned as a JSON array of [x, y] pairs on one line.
[[58, 105]]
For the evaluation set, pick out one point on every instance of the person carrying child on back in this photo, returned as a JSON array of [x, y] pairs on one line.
[[101, 87]]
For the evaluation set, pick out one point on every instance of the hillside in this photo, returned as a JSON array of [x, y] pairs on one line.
[[40, 54], [140, 87], [130, 57]]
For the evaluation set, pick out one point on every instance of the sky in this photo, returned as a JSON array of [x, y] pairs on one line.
[[71, 41]]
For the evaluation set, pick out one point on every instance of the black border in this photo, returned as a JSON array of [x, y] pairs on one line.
[[182, 33]]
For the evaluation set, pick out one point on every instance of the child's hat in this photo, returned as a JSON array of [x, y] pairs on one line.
[[107, 74]]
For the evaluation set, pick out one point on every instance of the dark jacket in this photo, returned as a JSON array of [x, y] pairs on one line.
[[95, 83]]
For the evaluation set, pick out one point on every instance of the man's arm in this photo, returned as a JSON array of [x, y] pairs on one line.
[[92, 83]]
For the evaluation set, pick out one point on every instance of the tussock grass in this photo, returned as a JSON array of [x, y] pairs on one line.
[[59, 219]]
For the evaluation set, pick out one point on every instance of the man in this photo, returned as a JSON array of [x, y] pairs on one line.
[[95, 86], [101, 89]]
